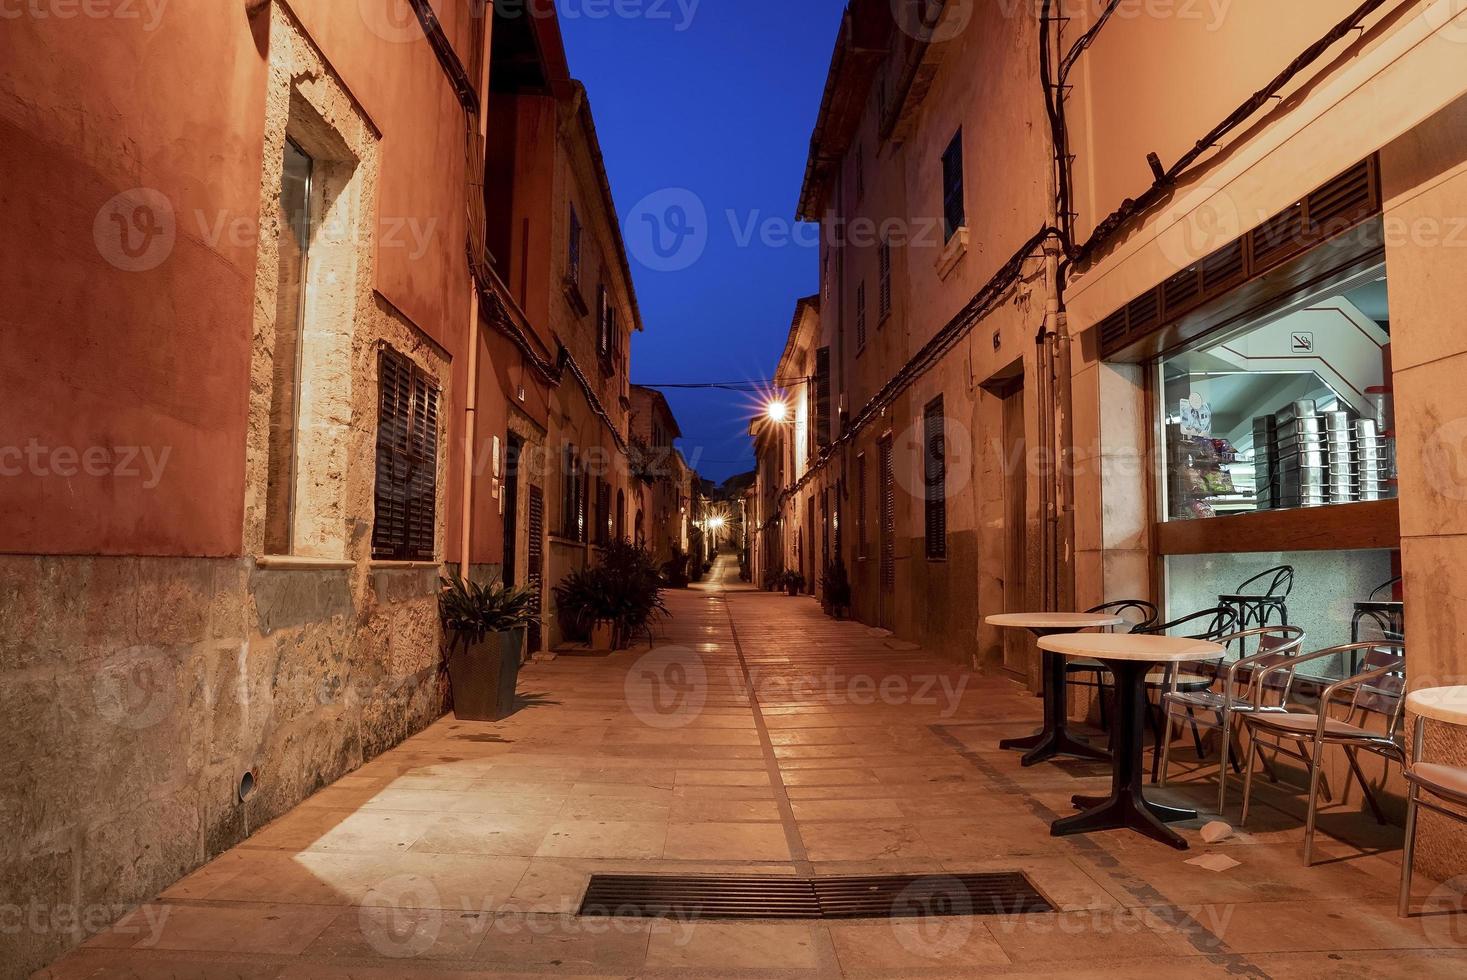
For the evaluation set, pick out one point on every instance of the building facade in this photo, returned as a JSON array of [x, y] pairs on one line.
[[663, 473], [1111, 260], [229, 498]]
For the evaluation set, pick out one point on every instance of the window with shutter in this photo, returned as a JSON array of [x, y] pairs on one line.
[[860, 317], [886, 500], [573, 258], [405, 523], [603, 512], [953, 208], [861, 539], [934, 451], [822, 396], [603, 321], [885, 256], [573, 495], [535, 554]]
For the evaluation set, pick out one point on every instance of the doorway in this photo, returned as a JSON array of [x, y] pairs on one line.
[[1014, 446], [514, 449]]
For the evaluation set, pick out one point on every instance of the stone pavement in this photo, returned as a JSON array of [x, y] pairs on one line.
[[759, 736]]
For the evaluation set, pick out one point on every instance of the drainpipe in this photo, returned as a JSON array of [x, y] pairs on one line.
[[471, 402]]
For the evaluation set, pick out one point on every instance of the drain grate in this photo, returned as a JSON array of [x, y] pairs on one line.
[[886, 897]]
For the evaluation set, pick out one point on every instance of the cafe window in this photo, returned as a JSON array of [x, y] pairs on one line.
[[1291, 410]]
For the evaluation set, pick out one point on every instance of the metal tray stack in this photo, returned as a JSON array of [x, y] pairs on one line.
[[1339, 432], [1301, 456], [1371, 469], [1265, 461]]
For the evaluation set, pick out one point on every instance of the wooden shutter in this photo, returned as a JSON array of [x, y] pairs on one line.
[[934, 426], [535, 555], [861, 538], [886, 498], [822, 396], [603, 511], [954, 212], [860, 317], [885, 278], [404, 525], [573, 258]]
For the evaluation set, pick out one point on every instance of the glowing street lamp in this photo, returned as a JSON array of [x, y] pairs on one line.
[[777, 412], [717, 523]]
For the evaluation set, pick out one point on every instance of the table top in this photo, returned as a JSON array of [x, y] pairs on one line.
[[1132, 646], [1447, 704], [1053, 621]]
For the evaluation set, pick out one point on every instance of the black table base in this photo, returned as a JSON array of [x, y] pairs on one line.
[[1055, 738], [1127, 806]]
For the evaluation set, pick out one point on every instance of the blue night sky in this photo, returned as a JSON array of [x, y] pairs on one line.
[[720, 103]]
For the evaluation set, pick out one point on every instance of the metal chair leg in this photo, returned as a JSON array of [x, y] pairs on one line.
[[1403, 902], [1316, 767], [1196, 734], [1248, 779], [1351, 754], [1222, 763], [1165, 748]]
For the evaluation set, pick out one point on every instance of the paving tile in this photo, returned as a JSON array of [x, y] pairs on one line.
[[733, 946], [604, 839], [709, 841]]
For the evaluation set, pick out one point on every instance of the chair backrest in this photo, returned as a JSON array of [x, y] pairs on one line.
[[1138, 613], [1280, 582], [1385, 695], [1206, 624], [1384, 592], [1273, 647]]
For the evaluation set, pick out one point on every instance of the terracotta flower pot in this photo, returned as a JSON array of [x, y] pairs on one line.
[[484, 676], [603, 635]]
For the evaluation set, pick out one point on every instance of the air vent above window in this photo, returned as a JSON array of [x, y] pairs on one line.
[[1279, 237], [1345, 202]]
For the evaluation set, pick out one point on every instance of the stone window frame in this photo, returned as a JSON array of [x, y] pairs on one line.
[[308, 105]]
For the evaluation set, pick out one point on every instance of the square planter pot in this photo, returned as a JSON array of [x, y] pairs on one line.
[[603, 636], [484, 675]]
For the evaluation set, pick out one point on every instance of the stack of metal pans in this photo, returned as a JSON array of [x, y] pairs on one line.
[[1265, 461], [1339, 431], [1301, 456], [1370, 461]]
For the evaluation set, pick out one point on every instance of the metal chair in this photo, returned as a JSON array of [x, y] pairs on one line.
[[1381, 609], [1140, 615], [1257, 608], [1379, 689], [1242, 691], [1206, 624], [1446, 784]]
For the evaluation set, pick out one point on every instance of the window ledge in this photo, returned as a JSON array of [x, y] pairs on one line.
[[302, 563], [404, 565], [952, 253], [573, 296]]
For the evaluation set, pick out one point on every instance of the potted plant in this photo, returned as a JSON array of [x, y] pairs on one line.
[[794, 583], [835, 585], [485, 628], [615, 599], [675, 569]]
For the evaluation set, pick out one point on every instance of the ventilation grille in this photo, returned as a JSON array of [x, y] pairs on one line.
[[890, 897], [1349, 199]]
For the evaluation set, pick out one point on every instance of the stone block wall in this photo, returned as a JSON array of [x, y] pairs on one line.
[[138, 692]]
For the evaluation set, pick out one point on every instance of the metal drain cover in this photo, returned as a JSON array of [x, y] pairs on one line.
[[883, 897]]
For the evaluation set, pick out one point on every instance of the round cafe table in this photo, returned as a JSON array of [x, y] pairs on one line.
[[1130, 658], [1054, 739]]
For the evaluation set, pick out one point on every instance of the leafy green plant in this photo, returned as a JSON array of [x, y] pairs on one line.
[[675, 569], [470, 611], [793, 582], [835, 584], [623, 588]]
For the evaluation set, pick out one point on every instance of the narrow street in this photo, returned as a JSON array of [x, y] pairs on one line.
[[759, 737]]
